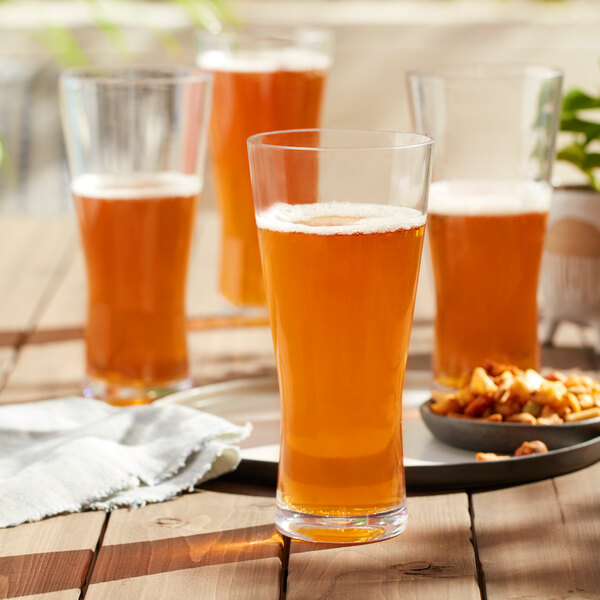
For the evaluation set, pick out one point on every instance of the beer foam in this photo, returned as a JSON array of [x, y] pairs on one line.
[[489, 198], [338, 218], [264, 60], [132, 186]]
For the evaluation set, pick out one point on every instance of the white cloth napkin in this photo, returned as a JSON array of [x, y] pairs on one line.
[[74, 453]]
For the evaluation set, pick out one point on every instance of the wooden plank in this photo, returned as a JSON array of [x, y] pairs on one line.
[[7, 360], [203, 295], [49, 556], [66, 595], [66, 308], [57, 369], [579, 498], [432, 559], [33, 251], [540, 541], [216, 545], [63, 533], [46, 371], [241, 581], [224, 354], [566, 358]]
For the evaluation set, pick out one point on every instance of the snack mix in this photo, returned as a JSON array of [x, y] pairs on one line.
[[504, 393]]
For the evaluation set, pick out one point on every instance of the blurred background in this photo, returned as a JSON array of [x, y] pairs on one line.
[[376, 41]]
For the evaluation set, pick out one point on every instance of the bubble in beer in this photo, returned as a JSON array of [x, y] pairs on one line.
[[338, 218]]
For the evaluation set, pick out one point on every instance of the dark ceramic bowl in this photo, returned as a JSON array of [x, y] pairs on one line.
[[505, 438]]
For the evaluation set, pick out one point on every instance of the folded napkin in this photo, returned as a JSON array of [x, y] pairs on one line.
[[72, 454]]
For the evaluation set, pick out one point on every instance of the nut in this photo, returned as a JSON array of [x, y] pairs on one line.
[[534, 447]]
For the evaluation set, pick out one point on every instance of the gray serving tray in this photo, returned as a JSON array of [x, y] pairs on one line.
[[430, 463]]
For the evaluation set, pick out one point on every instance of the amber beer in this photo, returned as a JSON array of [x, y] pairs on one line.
[[486, 243], [136, 233], [341, 283], [266, 90]]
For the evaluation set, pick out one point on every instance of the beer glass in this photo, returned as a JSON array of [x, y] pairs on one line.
[[495, 129], [265, 80], [340, 260], [135, 142]]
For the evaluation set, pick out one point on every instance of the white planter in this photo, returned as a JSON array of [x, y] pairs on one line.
[[570, 276]]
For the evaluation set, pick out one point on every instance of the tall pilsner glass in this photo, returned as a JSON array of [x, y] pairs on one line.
[[136, 143], [495, 128], [341, 219], [265, 80]]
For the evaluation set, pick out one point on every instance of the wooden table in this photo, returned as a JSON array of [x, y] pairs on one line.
[[537, 541]]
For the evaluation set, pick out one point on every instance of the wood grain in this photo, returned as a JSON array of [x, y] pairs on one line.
[[49, 556], [225, 354], [540, 541], [46, 371], [63, 533], [579, 501], [225, 543], [66, 307], [35, 253], [203, 295], [257, 579], [569, 357], [66, 595], [432, 559]]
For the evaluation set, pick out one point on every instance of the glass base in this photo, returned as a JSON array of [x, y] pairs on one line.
[[341, 529], [123, 395]]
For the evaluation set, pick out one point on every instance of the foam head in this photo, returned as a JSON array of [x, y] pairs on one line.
[[338, 218], [132, 186], [264, 60], [481, 198]]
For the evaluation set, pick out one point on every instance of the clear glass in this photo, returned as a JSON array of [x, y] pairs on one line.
[[341, 219], [495, 129], [136, 142], [265, 80]]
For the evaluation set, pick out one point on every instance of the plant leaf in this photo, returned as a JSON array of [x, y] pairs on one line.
[[574, 154], [576, 99], [590, 129], [591, 161], [61, 44], [112, 31], [224, 11], [201, 14], [5, 160]]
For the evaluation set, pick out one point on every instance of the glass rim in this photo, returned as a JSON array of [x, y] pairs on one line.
[[485, 71], [138, 74], [256, 140]]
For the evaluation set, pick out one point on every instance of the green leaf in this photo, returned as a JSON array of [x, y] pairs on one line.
[[591, 161], [574, 154], [590, 129], [201, 14], [109, 29], [575, 99], [167, 40], [224, 11], [5, 162], [62, 45]]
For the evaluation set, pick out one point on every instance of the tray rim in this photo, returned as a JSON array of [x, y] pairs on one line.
[[445, 477]]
